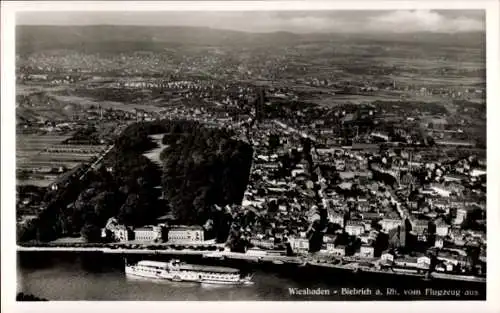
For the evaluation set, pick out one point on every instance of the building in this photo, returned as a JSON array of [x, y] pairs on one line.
[[451, 258], [330, 246], [148, 233], [406, 262], [387, 258], [116, 232], [366, 251], [354, 228], [397, 237], [457, 236], [424, 261], [390, 223], [460, 217], [336, 218], [439, 242], [329, 238], [299, 244], [420, 227], [367, 225], [338, 251], [185, 234], [442, 229], [256, 252], [370, 216], [262, 243]]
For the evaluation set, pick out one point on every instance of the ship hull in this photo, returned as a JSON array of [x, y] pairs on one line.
[[190, 278], [133, 272]]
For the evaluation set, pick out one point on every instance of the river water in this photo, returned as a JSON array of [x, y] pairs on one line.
[[93, 276]]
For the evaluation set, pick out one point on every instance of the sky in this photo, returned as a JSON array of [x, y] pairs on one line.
[[369, 21]]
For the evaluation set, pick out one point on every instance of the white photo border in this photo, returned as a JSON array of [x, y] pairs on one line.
[[8, 181]]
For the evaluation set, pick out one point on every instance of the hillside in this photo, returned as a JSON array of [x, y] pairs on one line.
[[123, 38], [40, 106]]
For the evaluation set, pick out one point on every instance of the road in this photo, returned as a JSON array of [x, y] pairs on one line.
[[96, 162], [291, 129], [103, 155], [114, 251]]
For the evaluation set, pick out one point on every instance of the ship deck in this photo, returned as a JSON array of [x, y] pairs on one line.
[[202, 268]]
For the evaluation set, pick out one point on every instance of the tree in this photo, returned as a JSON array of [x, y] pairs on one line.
[[274, 142], [105, 205], [26, 231], [333, 227], [289, 250], [128, 210], [272, 207], [473, 254], [342, 239], [381, 243], [430, 141], [375, 224], [197, 175], [91, 232]]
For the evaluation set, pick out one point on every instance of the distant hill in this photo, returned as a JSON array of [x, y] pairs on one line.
[[40, 106], [36, 38], [109, 38]]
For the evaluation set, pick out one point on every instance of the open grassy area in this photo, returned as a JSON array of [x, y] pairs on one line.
[[154, 154], [32, 155]]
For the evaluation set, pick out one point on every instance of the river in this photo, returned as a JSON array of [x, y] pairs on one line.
[[70, 276]]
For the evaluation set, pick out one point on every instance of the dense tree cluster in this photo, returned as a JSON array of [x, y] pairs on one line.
[[86, 135], [203, 167]]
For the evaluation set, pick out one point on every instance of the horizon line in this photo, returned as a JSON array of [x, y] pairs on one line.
[[261, 32]]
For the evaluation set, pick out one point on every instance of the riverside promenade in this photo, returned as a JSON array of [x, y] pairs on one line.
[[113, 250], [300, 261]]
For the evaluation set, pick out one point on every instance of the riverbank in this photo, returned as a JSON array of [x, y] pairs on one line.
[[277, 260], [111, 250], [100, 276]]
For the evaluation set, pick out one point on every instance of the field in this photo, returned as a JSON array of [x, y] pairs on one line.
[[29, 146], [42, 157], [87, 102]]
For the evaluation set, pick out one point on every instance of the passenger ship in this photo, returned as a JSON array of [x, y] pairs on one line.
[[176, 270]]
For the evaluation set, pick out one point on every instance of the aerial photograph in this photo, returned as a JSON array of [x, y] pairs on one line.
[[334, 155]]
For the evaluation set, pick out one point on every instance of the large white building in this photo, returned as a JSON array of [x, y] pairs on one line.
[[390, 223], [116, 232], [366, 251], [442, 229], [336, 218], [338, 250], [299, 244], [461, 215], [354, 228], [186, 234], [148, 233]]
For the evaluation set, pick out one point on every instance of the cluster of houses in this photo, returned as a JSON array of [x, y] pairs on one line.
[[429, 215]]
